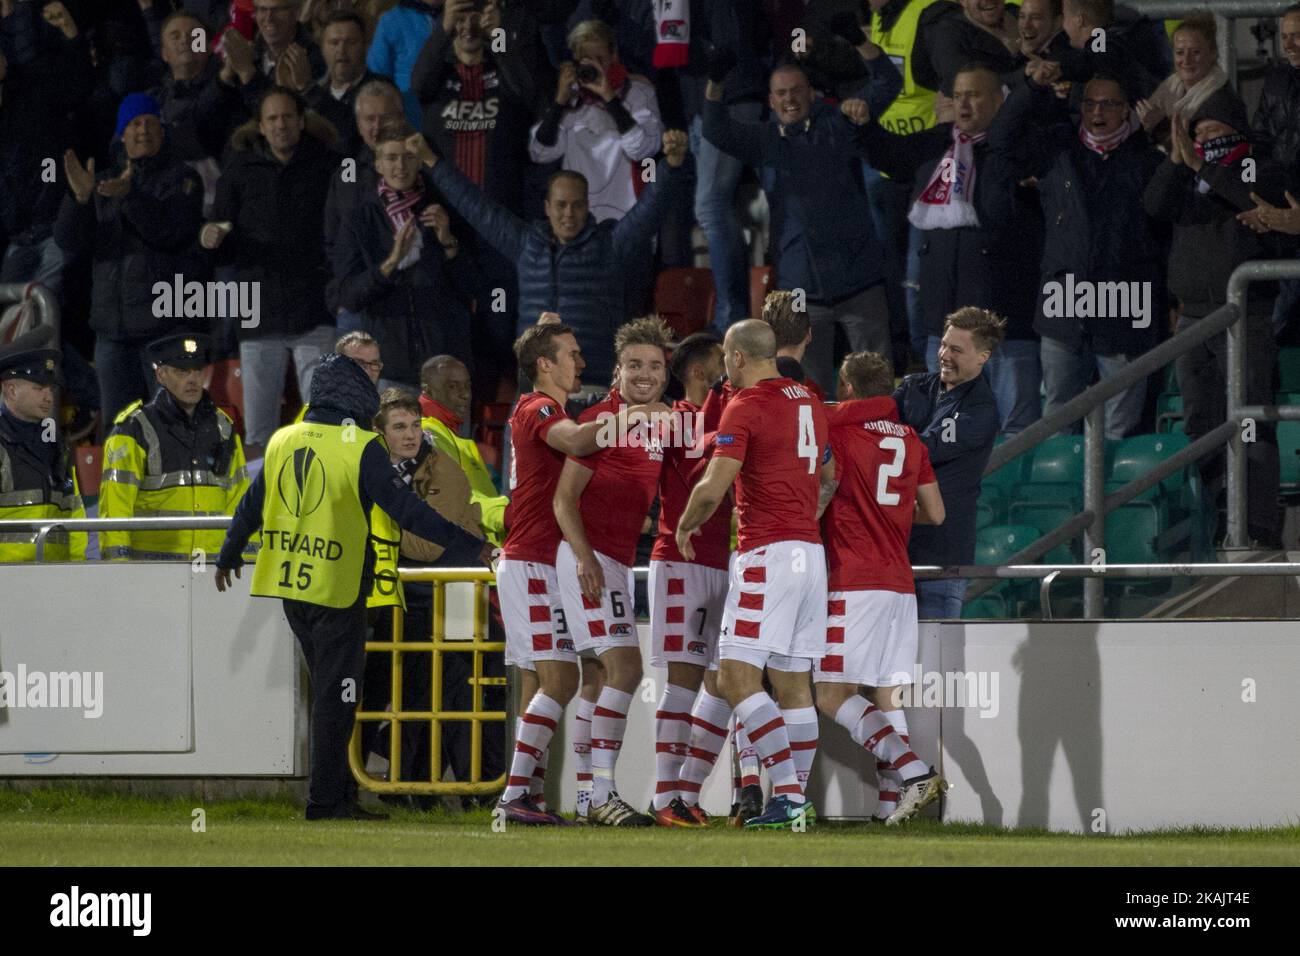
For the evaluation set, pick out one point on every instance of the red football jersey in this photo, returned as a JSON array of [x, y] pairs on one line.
[[535, 467], [866, 526], [719, 395], [624, 480], [682, 469], [779, 431]]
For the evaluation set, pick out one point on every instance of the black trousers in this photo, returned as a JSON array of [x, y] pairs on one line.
[[1202, 377], [333, 641]]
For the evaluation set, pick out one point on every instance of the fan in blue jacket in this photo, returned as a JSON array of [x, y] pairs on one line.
[[569, 263]]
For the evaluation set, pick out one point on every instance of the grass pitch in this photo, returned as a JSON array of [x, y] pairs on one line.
[[76, 826]]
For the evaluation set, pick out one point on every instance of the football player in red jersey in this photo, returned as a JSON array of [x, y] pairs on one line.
[[885, 484], [537, 638], [601, 504], [772, 444], [686, 599]]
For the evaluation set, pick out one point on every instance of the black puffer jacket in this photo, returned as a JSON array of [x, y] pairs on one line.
[[1275, 130], [144, 237], [278, 238], [415, 313]]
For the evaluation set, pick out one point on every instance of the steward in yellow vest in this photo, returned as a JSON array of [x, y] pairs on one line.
[[37, 479], [445, 405], [176, 455], [312, 501], [894, 29]]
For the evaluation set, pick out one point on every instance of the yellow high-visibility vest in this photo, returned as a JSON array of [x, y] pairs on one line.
[[134, 485], [314, 530], [19, 504], [386, 591], [913, 110]]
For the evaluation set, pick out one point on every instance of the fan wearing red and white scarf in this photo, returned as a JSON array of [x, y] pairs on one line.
[[1109, 142], [400, 207], [948, 199], [672, 33]]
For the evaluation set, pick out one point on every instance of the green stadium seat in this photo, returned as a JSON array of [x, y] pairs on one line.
[[1059, 459], [1288, 449], [1287, 398], [1136, 456], [1131, 532], [1169, 412], [1171, 379], [985, 516], [1288, 365], [990, 605]]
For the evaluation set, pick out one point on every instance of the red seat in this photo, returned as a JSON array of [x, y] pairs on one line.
[[760, 284], [88, 460], [226, 385], [684, 299]]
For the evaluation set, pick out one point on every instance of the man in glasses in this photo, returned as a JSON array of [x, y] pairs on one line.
[[1102, 274]]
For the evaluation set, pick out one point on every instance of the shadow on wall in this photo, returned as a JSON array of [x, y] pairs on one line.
[[1059, 706]]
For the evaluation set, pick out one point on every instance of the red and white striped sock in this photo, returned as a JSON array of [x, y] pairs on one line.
[[888, 799], [746, 757], [608, 724], [535, 728], [537, 784], [672, 732], [767, 733], [868, 727], [801, 727], [709, 719], [582, 750]]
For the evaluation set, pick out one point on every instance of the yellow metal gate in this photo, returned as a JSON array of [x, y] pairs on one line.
[[437, 645]]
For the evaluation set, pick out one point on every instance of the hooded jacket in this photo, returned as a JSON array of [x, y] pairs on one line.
[[278, 211]]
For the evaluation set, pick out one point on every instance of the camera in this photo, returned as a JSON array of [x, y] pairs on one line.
[[587, 73]]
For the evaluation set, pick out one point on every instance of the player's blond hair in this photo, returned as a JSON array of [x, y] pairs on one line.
[[986, 328], [648, 330], [870, 374]]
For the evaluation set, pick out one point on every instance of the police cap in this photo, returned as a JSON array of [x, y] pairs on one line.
[[188, 350], [29, 357]]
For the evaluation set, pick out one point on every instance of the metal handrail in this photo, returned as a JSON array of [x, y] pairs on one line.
[[1089, 405]]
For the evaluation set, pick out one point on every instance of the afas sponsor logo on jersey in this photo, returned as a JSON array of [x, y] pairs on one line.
[[470, 116]]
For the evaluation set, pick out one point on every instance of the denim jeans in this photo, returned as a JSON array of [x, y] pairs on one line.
[[1016, 374], [347, 321], [865, 319], [940, 598], [716, 176], [1068, 371], [125, 375], [890, 200], [40, 262], [263, 362]]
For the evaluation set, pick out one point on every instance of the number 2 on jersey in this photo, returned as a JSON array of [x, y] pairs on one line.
[[807, 438], [895, 468]]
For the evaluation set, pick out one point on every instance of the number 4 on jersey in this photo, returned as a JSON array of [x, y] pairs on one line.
[[808, 438]]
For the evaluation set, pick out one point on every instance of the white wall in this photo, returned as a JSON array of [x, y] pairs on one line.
[[1150, 722], [196, 683]]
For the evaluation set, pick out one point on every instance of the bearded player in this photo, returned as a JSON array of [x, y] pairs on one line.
[[538, 641], [772, 444], [601, 504]]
